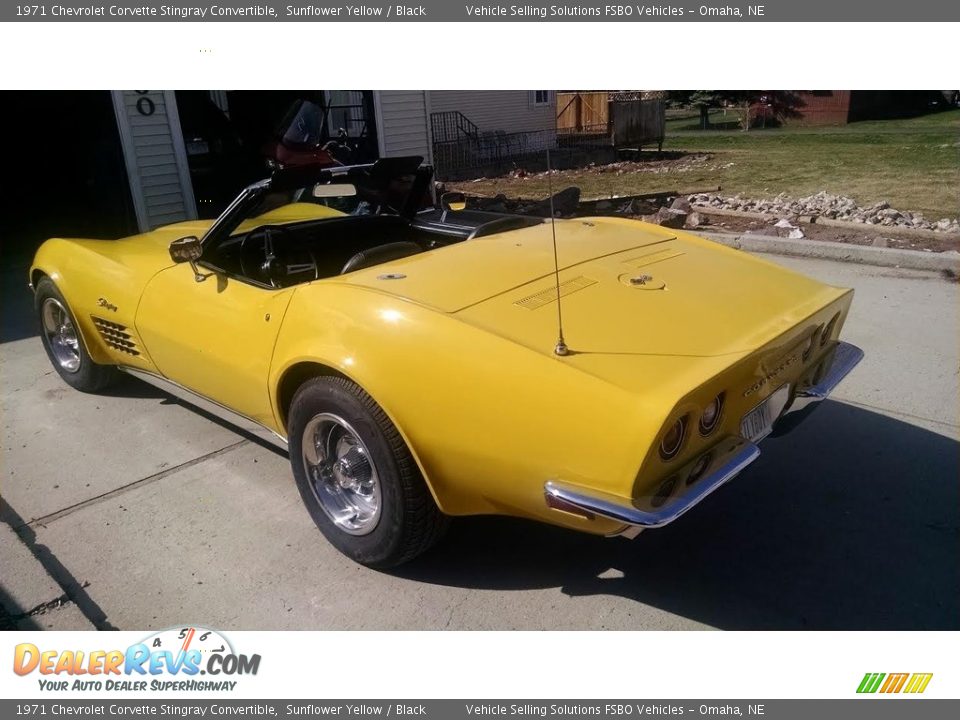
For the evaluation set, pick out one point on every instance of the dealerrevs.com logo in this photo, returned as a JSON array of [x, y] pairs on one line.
[[168, 660], [889, 683]]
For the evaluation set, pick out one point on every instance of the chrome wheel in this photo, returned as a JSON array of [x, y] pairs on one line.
[[61, 335], [341, 474]]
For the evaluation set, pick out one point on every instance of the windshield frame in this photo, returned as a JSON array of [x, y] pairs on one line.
[[303, 177]]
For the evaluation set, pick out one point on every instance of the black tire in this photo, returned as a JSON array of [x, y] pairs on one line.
[[88, 376], [409, 520]]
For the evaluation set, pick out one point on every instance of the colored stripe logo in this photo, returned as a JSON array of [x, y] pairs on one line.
[[912, 683]]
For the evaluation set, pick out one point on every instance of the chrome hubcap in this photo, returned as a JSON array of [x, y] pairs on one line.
[[61, 335], [341, 473]]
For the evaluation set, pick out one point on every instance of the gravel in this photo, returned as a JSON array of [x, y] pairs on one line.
[[826, 205]]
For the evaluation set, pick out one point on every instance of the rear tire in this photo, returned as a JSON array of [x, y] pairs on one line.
[[357, 477], [64, 345]]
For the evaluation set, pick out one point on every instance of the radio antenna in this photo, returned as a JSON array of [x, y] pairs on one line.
[[561, 346]]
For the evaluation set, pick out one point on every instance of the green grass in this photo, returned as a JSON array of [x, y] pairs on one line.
[[913, 164]]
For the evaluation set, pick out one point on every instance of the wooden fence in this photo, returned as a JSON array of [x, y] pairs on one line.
[[579, 112], [636, 123], [627, 123]]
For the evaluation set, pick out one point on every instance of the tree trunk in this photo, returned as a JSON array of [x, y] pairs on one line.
[[704, 117]]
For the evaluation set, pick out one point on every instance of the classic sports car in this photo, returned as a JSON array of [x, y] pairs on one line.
[[413, 360]]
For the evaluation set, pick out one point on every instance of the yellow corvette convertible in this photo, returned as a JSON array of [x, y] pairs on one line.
[[411, 359]]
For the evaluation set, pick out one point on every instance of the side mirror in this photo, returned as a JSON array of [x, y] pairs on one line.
[[186, 249], [453, 201]]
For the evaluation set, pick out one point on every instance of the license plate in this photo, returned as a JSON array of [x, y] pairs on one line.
[[197, 147], [758, 423]]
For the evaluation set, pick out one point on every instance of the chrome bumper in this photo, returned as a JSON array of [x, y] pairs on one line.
[[734, 454], [845, 359]]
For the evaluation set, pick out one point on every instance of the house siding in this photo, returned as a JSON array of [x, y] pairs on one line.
[[403, 123], [508, 111], [155, 157]]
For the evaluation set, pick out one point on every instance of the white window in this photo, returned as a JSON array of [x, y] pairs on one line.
[[541, 97]]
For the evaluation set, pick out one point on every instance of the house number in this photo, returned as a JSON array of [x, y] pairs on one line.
[[145, 106]]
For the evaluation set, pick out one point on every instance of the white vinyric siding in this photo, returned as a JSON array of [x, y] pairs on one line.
[[403, 123], [508, 111], [155, 157]]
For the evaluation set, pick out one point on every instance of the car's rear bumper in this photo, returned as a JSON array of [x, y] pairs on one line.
[[732, 455]]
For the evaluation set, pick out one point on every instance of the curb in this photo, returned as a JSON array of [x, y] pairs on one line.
[[843, 252]]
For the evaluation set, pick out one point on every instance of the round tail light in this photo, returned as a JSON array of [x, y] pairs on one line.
[[673, 439], [710, 417], [828, 331], [814, 340]]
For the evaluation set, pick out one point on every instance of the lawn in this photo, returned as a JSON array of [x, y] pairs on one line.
[[913, 164]]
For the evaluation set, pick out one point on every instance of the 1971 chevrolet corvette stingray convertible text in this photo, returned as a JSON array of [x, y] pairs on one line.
[[407, 356]]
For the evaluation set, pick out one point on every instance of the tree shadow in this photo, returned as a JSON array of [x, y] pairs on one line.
[[18, 320], [848, 523]]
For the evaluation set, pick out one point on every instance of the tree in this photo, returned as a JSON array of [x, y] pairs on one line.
[[704, 100], [781, 104]]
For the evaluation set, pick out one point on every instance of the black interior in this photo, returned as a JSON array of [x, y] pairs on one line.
[[282, 256]]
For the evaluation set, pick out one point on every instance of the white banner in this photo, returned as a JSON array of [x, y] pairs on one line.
[[439, 665]]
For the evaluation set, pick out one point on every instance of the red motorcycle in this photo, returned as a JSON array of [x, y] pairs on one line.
[[299, 140]]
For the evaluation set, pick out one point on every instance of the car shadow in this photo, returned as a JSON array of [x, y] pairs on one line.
[[848, 523]]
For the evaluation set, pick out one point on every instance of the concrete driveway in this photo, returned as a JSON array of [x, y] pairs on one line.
[[131, 511]]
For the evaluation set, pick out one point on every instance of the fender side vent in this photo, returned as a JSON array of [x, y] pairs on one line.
[[116, 336], [545, 297]]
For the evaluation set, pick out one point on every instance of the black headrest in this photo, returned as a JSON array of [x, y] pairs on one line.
[[380, 254]]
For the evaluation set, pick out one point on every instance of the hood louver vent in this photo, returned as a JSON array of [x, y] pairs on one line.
[[545, 297], [116, 336]]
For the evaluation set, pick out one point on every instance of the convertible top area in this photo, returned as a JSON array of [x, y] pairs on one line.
[[308, 223]]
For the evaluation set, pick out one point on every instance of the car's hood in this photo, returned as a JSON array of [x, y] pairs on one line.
[[627, 288]]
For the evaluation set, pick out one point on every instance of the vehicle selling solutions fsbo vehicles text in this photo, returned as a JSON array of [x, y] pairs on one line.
[[609, 11]]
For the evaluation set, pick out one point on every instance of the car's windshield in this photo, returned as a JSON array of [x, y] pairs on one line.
[[362, 199], [388, 187]]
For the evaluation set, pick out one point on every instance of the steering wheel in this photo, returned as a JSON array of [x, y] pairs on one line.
[[278, 259]]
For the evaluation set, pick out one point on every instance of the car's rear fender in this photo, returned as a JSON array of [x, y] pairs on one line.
[[794, 360], [487, 420]]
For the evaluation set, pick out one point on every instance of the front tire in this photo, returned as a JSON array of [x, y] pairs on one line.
[[357, 477], [63, 343]]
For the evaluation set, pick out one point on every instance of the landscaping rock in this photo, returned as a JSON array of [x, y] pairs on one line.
[[786, 229], [826, 205], [668, 217], [694, 220]]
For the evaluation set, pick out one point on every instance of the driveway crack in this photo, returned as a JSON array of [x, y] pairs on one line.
[[45, 520]]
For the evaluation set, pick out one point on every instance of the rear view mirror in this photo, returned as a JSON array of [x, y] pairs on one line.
[[453, 201], [334, 190], [186, 249]]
